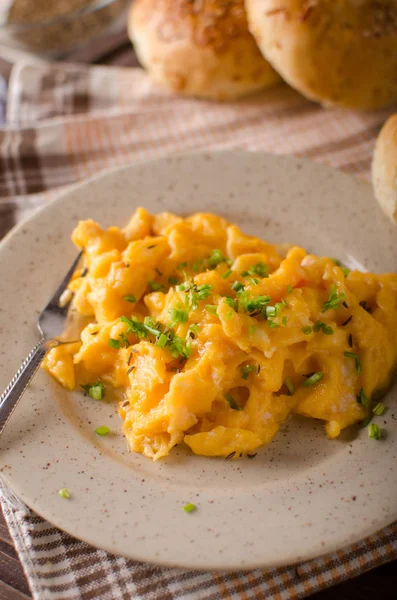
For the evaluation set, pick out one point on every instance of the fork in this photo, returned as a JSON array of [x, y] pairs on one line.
[[50, 324]]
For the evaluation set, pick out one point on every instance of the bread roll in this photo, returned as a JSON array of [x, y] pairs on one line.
[[384, 168], [200, 48], [337, 52]]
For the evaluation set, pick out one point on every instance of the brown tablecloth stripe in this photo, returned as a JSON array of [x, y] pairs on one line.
[[63, 123]]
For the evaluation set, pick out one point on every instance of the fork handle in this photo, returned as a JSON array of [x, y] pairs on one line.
[[18, 384]]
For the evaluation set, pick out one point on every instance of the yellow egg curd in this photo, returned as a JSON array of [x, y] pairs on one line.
[[215, 338]]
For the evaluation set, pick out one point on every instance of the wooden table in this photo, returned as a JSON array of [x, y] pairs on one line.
[[380, 583]]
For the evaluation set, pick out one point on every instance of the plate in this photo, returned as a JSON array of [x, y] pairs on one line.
[[303, 495]]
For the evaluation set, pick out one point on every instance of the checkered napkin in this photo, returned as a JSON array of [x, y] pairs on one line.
[[63, 123]]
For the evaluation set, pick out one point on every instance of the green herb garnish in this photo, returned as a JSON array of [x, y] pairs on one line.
[[284, 321], [134, 326], [379, 409], [374, 431], [162, 340], [307, 329], [103, 430], [271, 311], [227, 274], [259, 269], [129, 298], [216, 258], [114, 343], [182, 265], [362, 399], [335, 299], [237, 286], [64, 493], [313, 379], [289, 385], [188, 508], [155, 286], [173, 280], [178, 315], [231, 401], [196, 266], [357, 359], [320, 325], [211, 308], [96, 391], [247, 369], [289, 288]]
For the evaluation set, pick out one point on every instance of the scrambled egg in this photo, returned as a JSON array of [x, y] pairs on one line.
[[215, 338]]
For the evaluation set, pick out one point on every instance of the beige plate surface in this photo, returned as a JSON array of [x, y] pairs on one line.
[[301, 496]]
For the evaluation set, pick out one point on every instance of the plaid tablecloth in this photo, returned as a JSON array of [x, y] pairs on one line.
[[62, 123]]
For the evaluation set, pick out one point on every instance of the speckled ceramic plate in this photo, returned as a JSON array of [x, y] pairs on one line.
[[302, 495]]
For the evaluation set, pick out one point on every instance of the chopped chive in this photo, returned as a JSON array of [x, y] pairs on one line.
[[211, 308], [151, 326], [230, 302], [362, 399], [320, 325], [237, 286], [196, 266], [178, 315], [273, 324], [284, 302], [216, 258], [313, 379], [335, 299], [307, 329], [253, 281], [345, 271], [271, 311], [173, 280], [289, 288], [195, 328], [114, 343], [134, 326], [247, 369], [284, 321], [379, 409], [103, 430], [182, 265], [64, 493], [162, 340], [183, 287], [229, 314], [129, 298], [188, 508], [96, 391], [259, 269], [289, 385], [231, 401], [124, 339], [374, 431], [357, 359], [155, 286], [227, 274]]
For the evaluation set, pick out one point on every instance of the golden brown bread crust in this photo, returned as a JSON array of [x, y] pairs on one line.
[[199, 47], [384, 168], [337, 52]]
